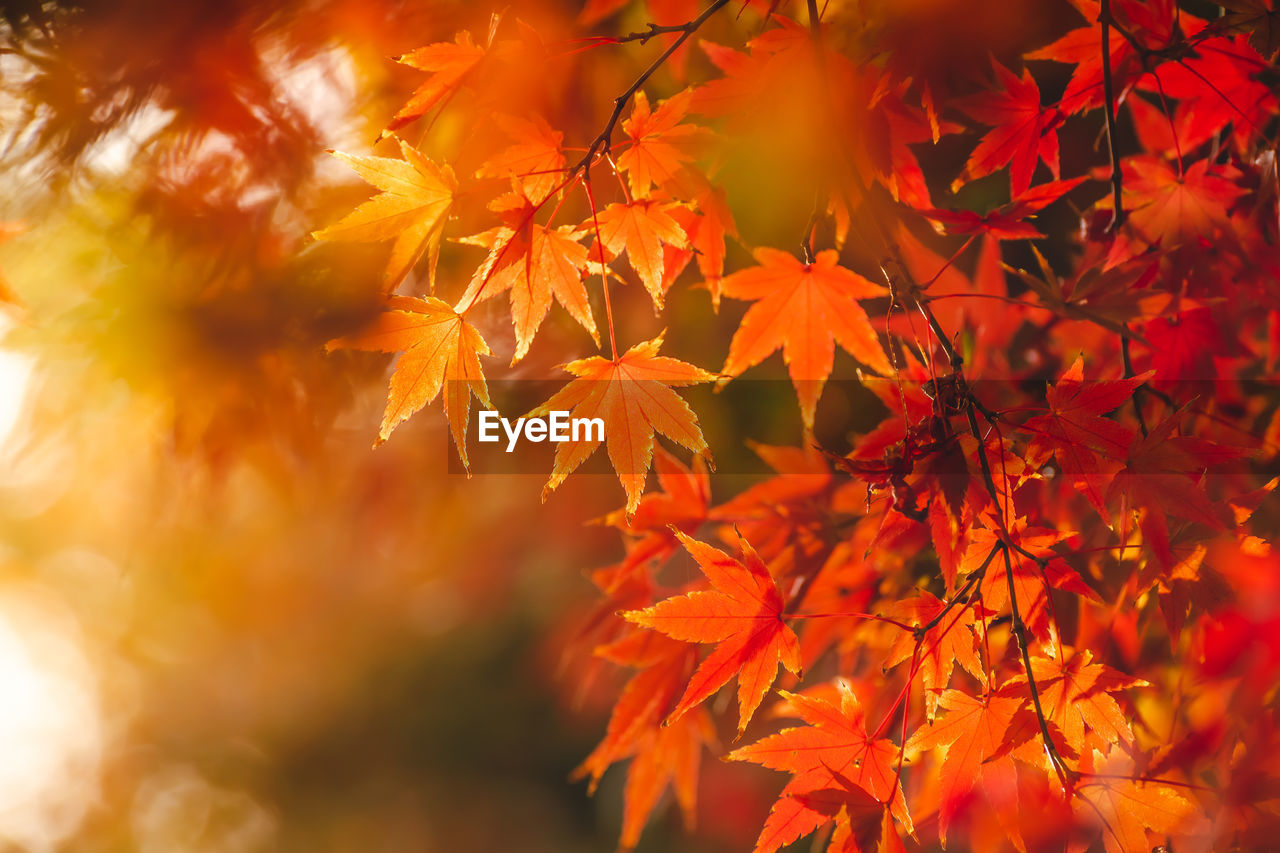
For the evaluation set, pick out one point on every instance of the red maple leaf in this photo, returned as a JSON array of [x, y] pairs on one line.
[[1022, 131], [1075, 432]]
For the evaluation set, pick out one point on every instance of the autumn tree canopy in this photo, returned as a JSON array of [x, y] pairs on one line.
[[992, 291]]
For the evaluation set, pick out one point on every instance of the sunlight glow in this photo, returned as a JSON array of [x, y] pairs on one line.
[[50, 731], [15, 371]]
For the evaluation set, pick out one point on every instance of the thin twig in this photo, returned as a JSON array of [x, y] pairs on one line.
[[973, 578], [1117, 216], [1128, 374], [895, 256], [957, 362], [653, 31], [600, 145], [1020, 635]]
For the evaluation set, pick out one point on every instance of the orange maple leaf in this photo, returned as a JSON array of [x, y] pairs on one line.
[[805, 309], [661, 755], [533, 163], [411, 209], [632, 395], [1173, 210], [449, 63], [972, 732], [660, 145], [534, 263], [947, 643], [742, 615], [1076, 694], [642, 228], [439, 350], [681, 503], [1127, 808], [832, 753]]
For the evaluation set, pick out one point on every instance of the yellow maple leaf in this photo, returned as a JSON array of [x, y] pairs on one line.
[[632, 395], [411, 209], [438, 350]]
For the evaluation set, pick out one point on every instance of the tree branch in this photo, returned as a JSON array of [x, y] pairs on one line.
[[1020, 635], [1128, 374], [1108, 89], [600, 145]]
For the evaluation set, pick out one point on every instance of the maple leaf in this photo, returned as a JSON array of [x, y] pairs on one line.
[[661, 755], [411, 209], [972, 732], [642, 228], [804, 309], [1022, 130], [670, 756], [863, 827], [742, 615], [448, 63], [534, 263], [785, 511], [1154, 26], [778, 59], [534, 163], [439, 350], [1008, 221], [1106, 294], [1218, 87], [1076, 432], [832, 752], [706, 230], [632, 394], [1157, 478], [1076, 694], [664, 668], [681, 503], [1172, 210], [1126, 808], [1260, 18], [660, 146], [945, 644]]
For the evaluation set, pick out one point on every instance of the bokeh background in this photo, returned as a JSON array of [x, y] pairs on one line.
[[226, 623]]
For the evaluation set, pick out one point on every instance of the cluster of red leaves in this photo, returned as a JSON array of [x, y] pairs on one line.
[[1036, 607]]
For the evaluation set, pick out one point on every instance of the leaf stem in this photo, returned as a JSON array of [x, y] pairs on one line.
[[604, 272]]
